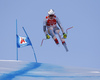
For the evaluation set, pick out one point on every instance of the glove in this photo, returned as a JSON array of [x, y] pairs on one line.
[[64, 35], [47, 36]]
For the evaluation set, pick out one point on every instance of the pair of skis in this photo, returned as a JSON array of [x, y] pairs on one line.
[[65, 45]]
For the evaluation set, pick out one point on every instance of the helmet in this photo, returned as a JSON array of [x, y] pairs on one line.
[[51, 12]]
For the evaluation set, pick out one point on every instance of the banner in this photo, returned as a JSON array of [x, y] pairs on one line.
[[23, 41]]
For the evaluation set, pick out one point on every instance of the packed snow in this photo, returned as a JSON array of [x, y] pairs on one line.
[[19, 70]]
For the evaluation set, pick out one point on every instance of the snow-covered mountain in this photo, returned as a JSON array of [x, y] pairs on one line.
[[19, 70]]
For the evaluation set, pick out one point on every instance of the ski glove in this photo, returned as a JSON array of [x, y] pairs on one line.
[[47, 36], [64, 35]]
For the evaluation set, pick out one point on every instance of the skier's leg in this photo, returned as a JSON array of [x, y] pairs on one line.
[[51, 32], [57, 30], [62, 40]]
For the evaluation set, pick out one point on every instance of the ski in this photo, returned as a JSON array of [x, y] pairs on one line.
[[65, 46]]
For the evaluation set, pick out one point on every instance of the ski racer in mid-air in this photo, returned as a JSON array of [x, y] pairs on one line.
[[50, 28]]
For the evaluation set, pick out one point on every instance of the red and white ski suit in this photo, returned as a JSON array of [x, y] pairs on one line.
[[48, 23]]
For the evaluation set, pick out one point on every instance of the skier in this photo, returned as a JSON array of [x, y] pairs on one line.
[[50, 23]]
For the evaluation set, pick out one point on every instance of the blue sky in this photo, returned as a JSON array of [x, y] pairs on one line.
[[83, 40]]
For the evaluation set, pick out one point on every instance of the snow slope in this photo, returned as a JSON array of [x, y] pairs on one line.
[[19, 70]]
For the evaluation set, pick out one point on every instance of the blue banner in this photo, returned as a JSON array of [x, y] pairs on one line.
[[23, 41]]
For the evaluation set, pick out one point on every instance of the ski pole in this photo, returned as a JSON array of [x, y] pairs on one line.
[[68, 29], [42, 41]]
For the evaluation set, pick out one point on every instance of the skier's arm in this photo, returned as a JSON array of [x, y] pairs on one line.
[[60, 25], [61, 28], [44, 29], [44, 26], [64, 35]]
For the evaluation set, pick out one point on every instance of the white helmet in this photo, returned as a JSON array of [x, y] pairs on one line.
[[51, 12]]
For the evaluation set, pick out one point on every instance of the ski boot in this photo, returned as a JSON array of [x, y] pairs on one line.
[[56, 41]]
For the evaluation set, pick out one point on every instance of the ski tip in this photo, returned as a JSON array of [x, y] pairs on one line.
[[66, 50]]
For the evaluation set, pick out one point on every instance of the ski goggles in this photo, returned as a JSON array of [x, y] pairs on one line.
[[51, 15]]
